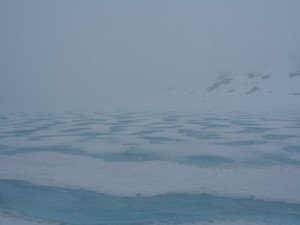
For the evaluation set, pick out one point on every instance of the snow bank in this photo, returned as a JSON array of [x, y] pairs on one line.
[[8, 218]]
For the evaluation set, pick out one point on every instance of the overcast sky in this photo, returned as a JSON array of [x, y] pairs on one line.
[[110, 54]]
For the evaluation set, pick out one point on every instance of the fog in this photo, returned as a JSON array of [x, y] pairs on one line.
[[114, 55]]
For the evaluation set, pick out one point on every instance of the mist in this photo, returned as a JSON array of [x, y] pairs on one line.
[[108, 55], [149, 112]]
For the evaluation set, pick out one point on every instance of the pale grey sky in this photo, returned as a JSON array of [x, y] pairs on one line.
[[88, 54]]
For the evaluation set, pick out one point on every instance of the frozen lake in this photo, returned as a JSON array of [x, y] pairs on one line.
[[150, 168]]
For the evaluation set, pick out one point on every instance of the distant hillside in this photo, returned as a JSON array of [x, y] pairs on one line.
[[277, 84]]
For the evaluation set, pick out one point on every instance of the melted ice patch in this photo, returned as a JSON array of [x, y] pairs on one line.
[[87, 208], [150, 178]]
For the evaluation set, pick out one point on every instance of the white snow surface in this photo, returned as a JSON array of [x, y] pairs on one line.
[[14, 218], [275, 183]]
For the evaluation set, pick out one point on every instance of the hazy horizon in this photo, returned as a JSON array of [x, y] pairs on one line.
[[94, 55]]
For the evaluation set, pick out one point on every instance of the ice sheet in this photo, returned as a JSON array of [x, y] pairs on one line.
[[238, 155]]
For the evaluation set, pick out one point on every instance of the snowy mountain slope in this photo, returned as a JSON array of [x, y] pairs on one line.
[[264, 82], [275, 85], [278, 85]]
